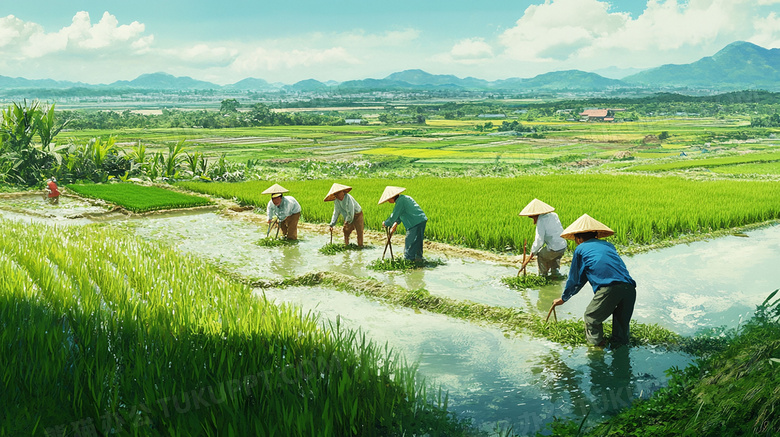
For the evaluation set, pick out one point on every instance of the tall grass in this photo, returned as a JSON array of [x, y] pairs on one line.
[[106, 334], [482, 212]]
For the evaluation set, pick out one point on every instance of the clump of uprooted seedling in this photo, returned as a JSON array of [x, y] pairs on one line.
[[334, 248], [386, 264], [526, 281], [275, 242]]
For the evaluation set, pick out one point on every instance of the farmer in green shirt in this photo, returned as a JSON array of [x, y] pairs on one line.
[[414, 219]]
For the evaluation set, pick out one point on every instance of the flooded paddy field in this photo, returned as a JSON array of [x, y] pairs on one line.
[[495, 378]]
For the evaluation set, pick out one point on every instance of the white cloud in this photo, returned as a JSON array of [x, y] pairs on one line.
[[23, 40], [557, 29], [586, 34], [767, 31], [472, 48]]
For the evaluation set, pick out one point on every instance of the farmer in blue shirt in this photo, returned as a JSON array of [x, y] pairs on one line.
[[414, 219], [596, 261]]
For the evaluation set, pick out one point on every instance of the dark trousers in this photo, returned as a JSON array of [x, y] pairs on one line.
[[413, 244], [616, 300]]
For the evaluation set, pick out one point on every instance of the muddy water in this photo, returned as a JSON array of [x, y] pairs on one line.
[[684, 288], [69, 210], [232, 243], [492, 379]]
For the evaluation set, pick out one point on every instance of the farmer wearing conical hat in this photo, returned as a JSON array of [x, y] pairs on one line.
[[596, 261], [548, 245], [285, 208], [346, 206], [414, 219]]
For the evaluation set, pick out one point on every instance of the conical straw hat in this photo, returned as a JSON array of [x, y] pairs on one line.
[[536, 207], [335, 189], [275, 189], [389, 193], [586, 223]]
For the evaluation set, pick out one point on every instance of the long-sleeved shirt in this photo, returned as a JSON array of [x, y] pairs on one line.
[[288, 207], [407, 212], [548, 231], [595, 261], [346, 208]]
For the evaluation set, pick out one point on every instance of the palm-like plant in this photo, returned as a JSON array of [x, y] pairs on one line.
[[172, 161], [22, 160]]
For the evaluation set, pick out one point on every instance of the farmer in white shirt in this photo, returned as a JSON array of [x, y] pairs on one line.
[[346, 206], [286, 209], [548, 245]]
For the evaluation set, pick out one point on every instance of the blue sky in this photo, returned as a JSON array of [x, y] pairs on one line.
[[101, 41]]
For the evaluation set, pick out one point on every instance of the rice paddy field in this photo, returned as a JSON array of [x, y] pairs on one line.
[[482, 212], [138, 198], [180, 324], [447, 142]]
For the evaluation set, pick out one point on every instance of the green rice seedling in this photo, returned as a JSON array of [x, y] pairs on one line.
[[526, 281], [133, 338], [139, 198], [399, 263], [276, 242], [334, 248], [569, 332], [642, 210]]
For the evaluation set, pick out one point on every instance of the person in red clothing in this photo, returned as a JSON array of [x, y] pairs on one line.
[[52, 192]]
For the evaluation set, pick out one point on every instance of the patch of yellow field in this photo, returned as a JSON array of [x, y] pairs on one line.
[[412, 153]]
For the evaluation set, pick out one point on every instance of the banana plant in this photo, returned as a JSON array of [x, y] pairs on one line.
[[172, 161]]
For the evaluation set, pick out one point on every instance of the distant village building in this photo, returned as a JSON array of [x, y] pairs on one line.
[[353, 120], [491, 116], [597, 115]]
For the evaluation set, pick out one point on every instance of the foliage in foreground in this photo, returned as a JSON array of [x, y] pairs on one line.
[[105, 334], [735, 391], [139, 198]]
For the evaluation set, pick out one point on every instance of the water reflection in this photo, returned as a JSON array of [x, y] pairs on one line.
[[491, 378], [610, 380], [287, 260]]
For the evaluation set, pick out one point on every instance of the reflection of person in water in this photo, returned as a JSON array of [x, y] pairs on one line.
[[611, 384]]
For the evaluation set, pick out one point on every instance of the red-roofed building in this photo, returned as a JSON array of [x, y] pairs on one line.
[[597, 115]]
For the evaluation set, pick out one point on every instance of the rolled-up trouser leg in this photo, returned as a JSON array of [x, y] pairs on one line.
[[413, 245], [616, 300], [289, 226], [357, 225], [548, 259]]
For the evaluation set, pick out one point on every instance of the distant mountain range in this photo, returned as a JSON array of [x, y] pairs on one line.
[[738, 66]]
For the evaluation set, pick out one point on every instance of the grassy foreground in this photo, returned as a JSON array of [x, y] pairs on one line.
[[139, 198], [735, 391], [107, 334]]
